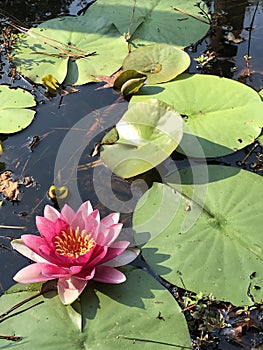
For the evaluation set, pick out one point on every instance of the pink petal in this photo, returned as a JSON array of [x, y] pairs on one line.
[[92, 224], [116, 249], [33, 242], [86, 274], [54, 258], [85, 209], [109, 220], [102, 237], [108, 274], [108, 236], [69, 289], [60, 225], [48, 229], [74, 270], [31, 274], [51, 213], [45, 227], [51, 255], [18, 245], [68, 214], [120, 244], [98, 255], [53, 271], [45, 252], [38, 246], [82, 220], [84, 259], [125, 258]]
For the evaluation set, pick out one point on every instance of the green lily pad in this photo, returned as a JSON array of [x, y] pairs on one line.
[[163, 24], [148, 133], [222, 246], [72, 49], [113, 316], [129, 82], [153, 21], [160, 62], [221, 115], [119, 12], [14, 113]]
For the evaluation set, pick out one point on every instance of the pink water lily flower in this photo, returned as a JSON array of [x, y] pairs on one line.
[[74, 248]]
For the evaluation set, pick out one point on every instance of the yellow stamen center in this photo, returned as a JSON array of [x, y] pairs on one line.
[[74, 243]]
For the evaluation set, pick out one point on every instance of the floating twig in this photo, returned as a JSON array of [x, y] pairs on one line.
[[47, 287], [90, 165], [250, 30], [153, 341], [247, 57], [190, 15], [10, 337], [249, 154], [16, 306], [19, 312], [13, 227], [66, 51], [67, 54], [5, 247]]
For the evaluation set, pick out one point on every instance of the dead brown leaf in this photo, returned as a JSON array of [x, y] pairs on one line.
[[69, 90], [109, 80], [8, 187]]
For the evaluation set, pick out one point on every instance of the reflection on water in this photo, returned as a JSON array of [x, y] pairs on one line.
[[229, 18], [237, 42]]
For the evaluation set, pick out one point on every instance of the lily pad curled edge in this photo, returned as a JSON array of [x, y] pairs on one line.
[[129, 82], [148, 133]]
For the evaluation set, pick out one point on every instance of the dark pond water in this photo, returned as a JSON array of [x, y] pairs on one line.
[[69, 127]]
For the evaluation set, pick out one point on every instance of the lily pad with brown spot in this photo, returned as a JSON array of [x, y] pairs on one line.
[[160, 62]]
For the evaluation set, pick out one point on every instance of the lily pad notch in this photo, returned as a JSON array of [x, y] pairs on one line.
[[15, 114]]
